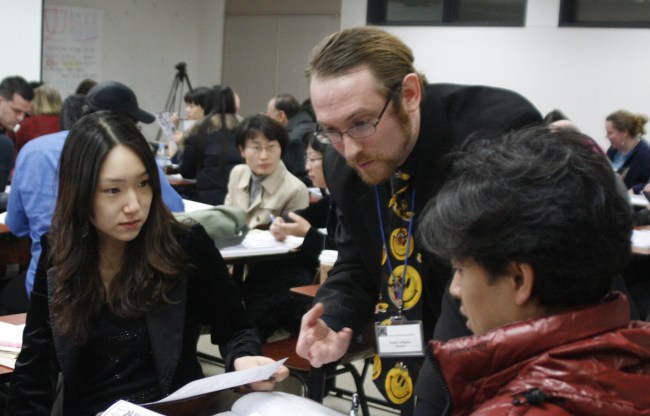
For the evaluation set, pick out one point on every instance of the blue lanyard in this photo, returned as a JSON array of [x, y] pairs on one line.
[[399, 288]]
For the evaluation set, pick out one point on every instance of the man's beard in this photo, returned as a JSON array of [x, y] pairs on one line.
[[388, 164], [379, 175]]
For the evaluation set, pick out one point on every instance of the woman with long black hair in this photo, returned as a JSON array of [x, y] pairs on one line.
[[210, 149], [122, 291]]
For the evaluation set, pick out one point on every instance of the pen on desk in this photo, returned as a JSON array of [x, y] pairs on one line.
[[354, 408]]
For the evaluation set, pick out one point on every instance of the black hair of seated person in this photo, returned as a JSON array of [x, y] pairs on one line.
[[288, 104], [314, 143], [210, 98], [308, 108], [197, 96], [261, 123], [221, 117], [71, 110], [35, 84], [16, 85], [537, 197], [554, 115], [85, 86]]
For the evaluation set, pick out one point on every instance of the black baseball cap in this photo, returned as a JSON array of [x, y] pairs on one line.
[[113, 95]]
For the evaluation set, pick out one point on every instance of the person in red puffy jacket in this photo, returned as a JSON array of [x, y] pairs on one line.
[[536, 229]]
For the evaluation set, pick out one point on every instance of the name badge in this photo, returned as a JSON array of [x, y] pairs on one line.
[[400, 338]]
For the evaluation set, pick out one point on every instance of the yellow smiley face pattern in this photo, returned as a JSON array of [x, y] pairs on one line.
[[411, 289], [401, 290], [398, 384]]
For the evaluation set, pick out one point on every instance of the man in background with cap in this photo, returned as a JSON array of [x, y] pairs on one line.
[[35, 183]]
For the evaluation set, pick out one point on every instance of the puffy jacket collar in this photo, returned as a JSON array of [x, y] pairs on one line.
[[518, 357]]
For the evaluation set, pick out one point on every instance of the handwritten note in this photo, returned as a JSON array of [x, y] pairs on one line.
[[72, 39]]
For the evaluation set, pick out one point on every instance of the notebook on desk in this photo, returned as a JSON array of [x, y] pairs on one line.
[[11, 339]]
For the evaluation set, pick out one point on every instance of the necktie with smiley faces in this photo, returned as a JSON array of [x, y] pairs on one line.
[[401, 291]]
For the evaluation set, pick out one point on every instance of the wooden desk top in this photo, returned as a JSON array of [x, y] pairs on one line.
[[177, 180], [17, 319], [308, 290]]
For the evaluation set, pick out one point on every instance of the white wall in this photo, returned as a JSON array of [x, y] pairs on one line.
[[587, 73], [143, 40], [20, 32]]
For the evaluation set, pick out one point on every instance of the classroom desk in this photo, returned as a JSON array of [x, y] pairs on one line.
[[258, 246], [17, 319], [177, 180], [186, 188], [307, 290]]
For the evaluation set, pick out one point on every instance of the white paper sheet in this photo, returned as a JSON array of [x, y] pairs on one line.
[[11, 336], [260, 243], [278, 404], [191, 206], [641, 238], [124, 408], [224, 381]]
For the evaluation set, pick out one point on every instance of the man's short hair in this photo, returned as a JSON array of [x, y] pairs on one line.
[[539, 197], [288, 104], [16, 85], [387, 57]]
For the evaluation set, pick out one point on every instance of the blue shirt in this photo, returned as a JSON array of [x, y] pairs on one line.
[[618, 160], [34, 189]]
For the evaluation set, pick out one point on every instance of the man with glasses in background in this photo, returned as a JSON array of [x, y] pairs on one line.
[[392, 134]]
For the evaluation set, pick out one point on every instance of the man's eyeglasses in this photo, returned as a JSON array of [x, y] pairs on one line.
[[359, 131], [257, 149]]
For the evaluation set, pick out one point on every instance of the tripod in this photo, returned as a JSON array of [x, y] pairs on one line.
[[177, 86]]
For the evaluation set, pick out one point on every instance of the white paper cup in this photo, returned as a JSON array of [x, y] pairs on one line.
[[327, 259]]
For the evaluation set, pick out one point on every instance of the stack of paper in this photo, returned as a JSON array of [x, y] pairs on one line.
[[261, 243], [641, 238], [11, 341]]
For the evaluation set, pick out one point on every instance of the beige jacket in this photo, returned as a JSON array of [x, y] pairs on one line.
[[281, 193]]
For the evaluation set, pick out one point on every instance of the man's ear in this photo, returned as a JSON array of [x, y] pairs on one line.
[[241, 151], [523, 280], [411, 92]]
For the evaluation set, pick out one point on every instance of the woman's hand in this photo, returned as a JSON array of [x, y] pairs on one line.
[[242, 363]]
